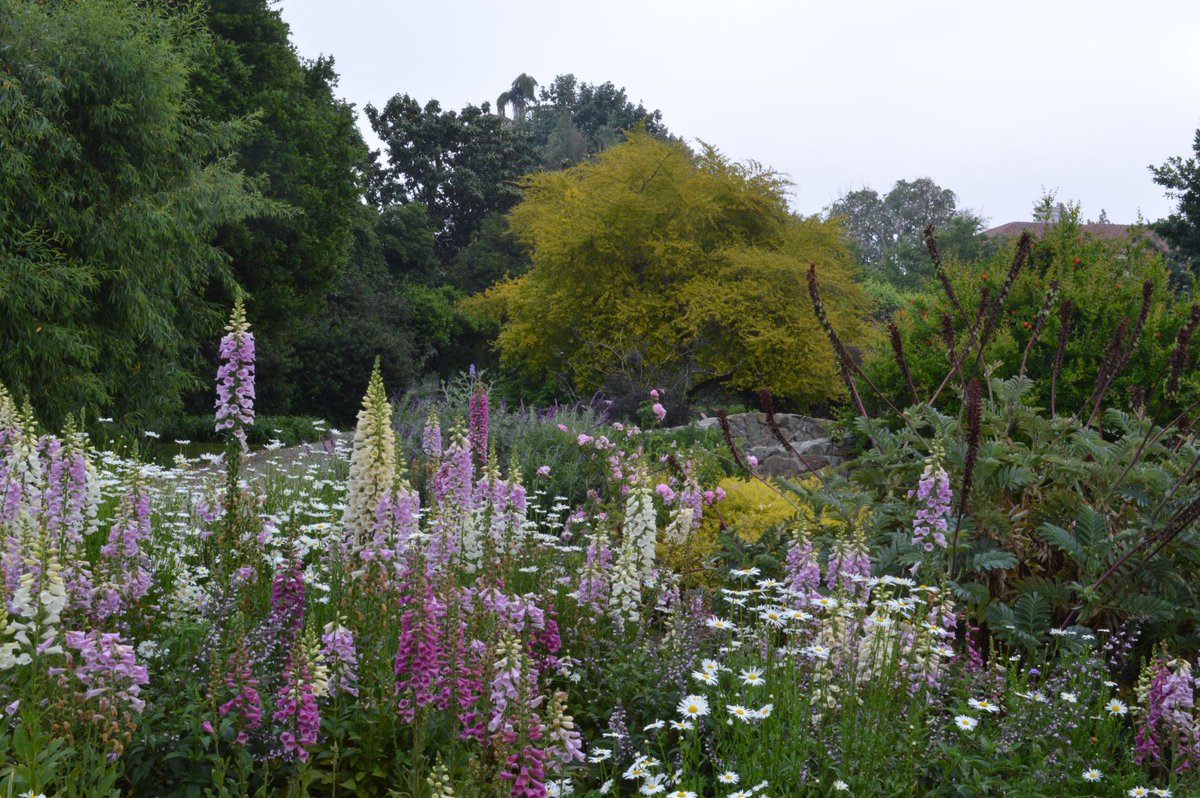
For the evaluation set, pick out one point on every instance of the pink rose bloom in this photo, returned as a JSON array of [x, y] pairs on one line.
[[660, 412], [562, 427], [654, 394], [543, 471], [752, 460], [583, 439]]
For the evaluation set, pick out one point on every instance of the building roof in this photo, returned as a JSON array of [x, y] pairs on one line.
[[1104, 231], [1037, 229]]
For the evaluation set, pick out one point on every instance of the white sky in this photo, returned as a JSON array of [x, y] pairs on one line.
[[993, 100]]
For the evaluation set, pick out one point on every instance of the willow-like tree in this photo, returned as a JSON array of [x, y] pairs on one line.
[[111, 190], [653, 267]]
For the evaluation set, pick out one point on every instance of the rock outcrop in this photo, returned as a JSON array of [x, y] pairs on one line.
[[810, 437]]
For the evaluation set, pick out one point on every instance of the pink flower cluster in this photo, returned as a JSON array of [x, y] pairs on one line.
[[1168, 727], [108, 668], [478, 433], [337, 649], [235, 377], [933, 491], [297, 701], [246, 702], [124, 567]]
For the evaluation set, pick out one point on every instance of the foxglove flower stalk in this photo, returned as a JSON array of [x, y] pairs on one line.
[[565, 744], [235, 376], [337, 650], [491, 515], [287, 600], [372, 462], [420, 663], [454, 500], [108, 667], [479, 424], [625, 595], [124, 574], [431, 439], [245, 703], [849, 564], [40, 598], [397, 520], [296, 705], [1167, 733], [593, 579], [802, 571], [935, 496], [508, 671], [641, 527]]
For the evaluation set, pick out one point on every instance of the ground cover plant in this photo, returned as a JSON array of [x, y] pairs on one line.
[[356, 622]]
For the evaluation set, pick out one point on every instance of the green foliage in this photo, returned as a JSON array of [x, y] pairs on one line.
[[1102, 278], [461, 165], [382, 306], [1181, 179], [1058, 519], [576, 120], [654, 268], [112, 190], [885, 232], [303, 150]]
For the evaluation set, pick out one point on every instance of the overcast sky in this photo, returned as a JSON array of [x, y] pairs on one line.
[[993, 100]]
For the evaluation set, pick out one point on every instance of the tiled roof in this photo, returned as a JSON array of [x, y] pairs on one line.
[[1037, 229]]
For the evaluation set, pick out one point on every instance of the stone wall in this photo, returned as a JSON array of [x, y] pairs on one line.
[[810, 437]]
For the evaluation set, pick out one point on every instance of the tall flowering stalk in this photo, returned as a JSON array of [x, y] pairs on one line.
[[245, 703], [235, 376], [296, 702], [1167, 733], [454, 500], [934, 496], [124, 574], [338, 653], [479, 424], [372, 462], [802, 570]]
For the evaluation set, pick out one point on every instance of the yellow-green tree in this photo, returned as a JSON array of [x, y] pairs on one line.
[[653, 266]]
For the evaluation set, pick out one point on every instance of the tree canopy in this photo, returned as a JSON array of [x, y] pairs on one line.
[[885, 231], [111, 191], [656, 267], [462, 165], [1181, 229]]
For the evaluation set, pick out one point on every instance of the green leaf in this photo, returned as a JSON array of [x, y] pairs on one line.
[[993, 559]]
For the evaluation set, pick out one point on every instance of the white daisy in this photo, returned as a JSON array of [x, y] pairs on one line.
[[983, 704], [693, 706], [1115, 707], [965, 722], [752, 676], [1070, 698], [1091, 774], [728, 777]]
